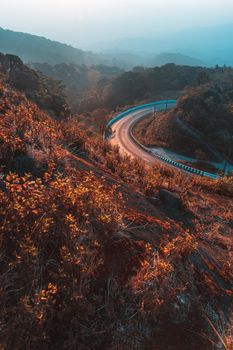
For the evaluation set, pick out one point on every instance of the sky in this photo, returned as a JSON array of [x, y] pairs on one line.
[[84, 23]]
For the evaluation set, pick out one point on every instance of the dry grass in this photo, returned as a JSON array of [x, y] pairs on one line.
[[77, 269]]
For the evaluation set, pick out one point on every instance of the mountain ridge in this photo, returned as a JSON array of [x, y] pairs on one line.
[[41, 49], [33, 48]]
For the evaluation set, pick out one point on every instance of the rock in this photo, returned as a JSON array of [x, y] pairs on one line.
[[179, 309], [23, 164], [152, 200], [231, 223], [170, 199]]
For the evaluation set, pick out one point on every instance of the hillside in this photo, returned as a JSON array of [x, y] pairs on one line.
[[83, 85], [176, 58], [209, 110], [88, 88], [46, 92], [99, 252], [150, 84], [129, 59], [210, 44], [199, 47], [203, 113], [165, 131], [32, 48]]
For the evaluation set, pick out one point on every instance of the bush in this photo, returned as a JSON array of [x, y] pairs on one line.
[[224, 185]]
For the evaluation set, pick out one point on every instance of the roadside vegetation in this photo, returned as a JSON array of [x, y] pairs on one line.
[[209, 110], [99, 86], [200, 127]]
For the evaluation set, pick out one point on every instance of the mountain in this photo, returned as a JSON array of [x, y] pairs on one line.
[[213, 45], [176, 58], [132, 53], [140, 45], [195, 47], [123, 58], [32, 48]]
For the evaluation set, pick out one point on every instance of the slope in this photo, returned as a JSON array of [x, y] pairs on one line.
[[96, 252]]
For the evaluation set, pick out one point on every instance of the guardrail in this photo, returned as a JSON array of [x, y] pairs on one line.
[[187, 168], [137, 108], [169, 104]]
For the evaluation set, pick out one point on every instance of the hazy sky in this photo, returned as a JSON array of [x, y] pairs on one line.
[[84, 22]]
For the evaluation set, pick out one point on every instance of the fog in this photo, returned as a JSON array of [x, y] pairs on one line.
[[91, 24]]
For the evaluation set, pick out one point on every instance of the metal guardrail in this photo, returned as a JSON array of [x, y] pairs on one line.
[[187, 168], [169, 104], [137, 108]]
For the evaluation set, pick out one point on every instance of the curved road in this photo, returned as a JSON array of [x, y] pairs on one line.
[[121, 136], [124, 140]]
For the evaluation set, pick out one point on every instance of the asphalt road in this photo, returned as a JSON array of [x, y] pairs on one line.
[[123, 138]]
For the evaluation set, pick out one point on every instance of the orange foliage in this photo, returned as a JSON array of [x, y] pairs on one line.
[[70, 274]]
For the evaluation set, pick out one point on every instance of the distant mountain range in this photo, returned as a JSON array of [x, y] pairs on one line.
[[132, 59], [211, 45], [197, 47], [177, 58], [32, 48]]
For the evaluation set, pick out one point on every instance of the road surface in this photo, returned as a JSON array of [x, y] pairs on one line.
[[121, 136], [122, 131]]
